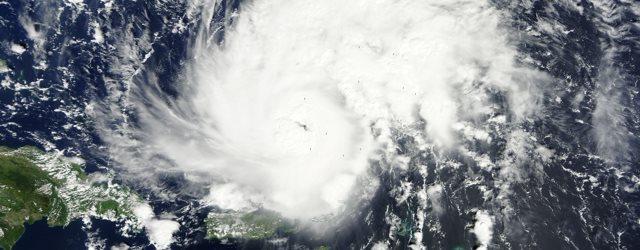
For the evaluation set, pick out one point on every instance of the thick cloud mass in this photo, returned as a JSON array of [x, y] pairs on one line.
[[290, 109]]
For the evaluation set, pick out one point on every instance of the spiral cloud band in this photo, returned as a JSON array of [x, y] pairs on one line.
[[290, 110]]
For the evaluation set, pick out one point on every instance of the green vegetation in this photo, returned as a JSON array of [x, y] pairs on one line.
[[109, 205], [35, 185], [259, 224], [26, 195], [79, 171], [3, 66]]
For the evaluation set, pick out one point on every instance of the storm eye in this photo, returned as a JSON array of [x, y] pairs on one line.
[[303, 126]]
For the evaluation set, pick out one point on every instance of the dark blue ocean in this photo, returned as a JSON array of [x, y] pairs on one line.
[[67, 72]]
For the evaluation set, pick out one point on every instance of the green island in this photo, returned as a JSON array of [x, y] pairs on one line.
[[35, 185], [3, 66], [254, 225]]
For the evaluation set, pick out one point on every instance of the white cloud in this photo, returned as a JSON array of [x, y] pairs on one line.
[[98, 36], [483, 229], [17, 48], [121, 246], [281, 114], [380, 246], [160, 231], [231, 196], [434, 194]]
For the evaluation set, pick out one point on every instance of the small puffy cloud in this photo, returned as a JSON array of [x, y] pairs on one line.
[[160, 231]]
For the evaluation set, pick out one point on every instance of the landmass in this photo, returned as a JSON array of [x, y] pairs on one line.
[[35, 185], [258, 224], [3, 66]]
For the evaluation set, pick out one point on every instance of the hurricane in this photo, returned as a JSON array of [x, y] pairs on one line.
[[362, 124], [289, 111]]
